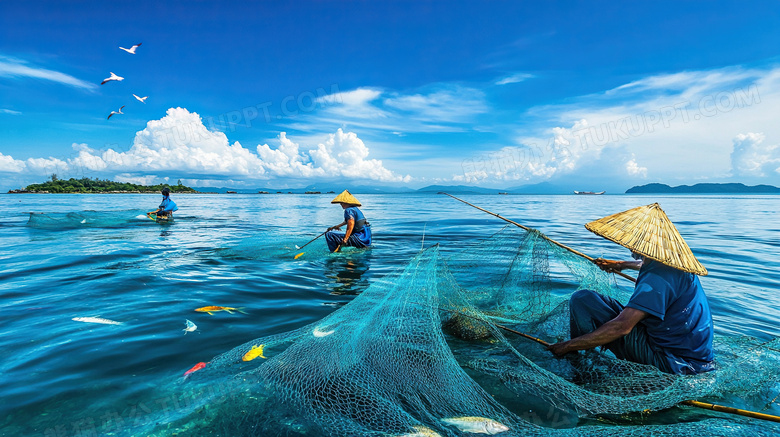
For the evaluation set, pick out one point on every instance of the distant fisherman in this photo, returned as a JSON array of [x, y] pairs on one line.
[[667, 321], [167, 206], [358, 229]]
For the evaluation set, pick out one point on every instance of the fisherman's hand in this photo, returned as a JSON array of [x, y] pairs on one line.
[[560, 349], [609, 265]]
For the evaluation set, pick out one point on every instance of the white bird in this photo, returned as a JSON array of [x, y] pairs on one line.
[[113, 77], [141, 99], [116, 112], [131, 50]]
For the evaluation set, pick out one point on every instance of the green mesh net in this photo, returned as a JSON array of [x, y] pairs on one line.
[[425, 351]]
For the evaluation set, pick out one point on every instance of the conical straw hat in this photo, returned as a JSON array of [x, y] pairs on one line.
[[346, 197], [647, 231]]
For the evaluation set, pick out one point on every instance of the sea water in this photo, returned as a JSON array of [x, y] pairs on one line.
[[66, 256]]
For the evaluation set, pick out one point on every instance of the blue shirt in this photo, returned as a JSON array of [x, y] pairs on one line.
[[167, 205], [679, 321], [364, 233]]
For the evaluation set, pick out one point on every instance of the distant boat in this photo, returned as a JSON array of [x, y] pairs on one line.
[[589, 192], [502, 192], [231, 192]]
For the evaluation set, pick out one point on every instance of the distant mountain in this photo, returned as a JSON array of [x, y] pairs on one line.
[[461, 189], [732, 188]]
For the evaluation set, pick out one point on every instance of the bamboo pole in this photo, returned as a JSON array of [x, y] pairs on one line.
[[732, 410], [576, 252], [692, 403]]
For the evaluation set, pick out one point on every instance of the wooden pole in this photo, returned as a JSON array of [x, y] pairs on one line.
[[732, 410], [576, 252]]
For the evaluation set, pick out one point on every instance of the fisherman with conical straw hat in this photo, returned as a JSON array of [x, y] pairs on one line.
[[667, 321], [358, 232]]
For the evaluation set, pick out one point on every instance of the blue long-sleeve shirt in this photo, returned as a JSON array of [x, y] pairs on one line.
[[167, 205]]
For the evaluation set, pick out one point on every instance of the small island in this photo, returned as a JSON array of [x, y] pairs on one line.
[[732, 188], [97, 186]]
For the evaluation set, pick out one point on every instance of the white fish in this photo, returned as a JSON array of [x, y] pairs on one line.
[[141, 99], [476, 425], [421, 431], [96, 320], [319, 333], [190, 327], [112, 77], [131, 50]]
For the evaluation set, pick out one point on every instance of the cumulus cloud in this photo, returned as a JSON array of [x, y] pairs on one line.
[[341, 155], [633, 169], [17, 68], [751, 157], [10, 165], [180, 143]]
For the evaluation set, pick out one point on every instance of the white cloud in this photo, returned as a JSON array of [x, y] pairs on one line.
[[10, 165], [515, 78], [10, 112], [633, 169], [438, 108], [357, 97], [668, 121], [17, 68], [454, 104], [751, 157], [180, 143], [137, 179]]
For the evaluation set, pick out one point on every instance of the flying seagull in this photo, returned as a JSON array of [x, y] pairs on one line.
[[141, 99], [116, 112], [131, 50], [113, 77]]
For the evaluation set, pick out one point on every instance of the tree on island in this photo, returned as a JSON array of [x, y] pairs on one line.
[[88, 185]]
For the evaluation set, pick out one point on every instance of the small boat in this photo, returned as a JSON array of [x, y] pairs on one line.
[[502, 192], [589, 192]]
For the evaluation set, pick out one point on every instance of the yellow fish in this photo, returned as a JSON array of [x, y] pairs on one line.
[[256, 351], [213, 308], [299, 255]]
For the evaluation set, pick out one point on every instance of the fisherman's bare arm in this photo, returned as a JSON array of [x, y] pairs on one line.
[[338, 226], [606, 333], [350, 226]]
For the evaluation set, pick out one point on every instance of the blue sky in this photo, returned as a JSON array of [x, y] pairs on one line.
[[586, 95]]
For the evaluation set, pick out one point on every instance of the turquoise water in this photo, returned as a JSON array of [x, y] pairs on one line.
[[98, 255]]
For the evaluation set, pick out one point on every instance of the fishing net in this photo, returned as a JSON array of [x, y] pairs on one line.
[[86, 219], [425, 351]]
